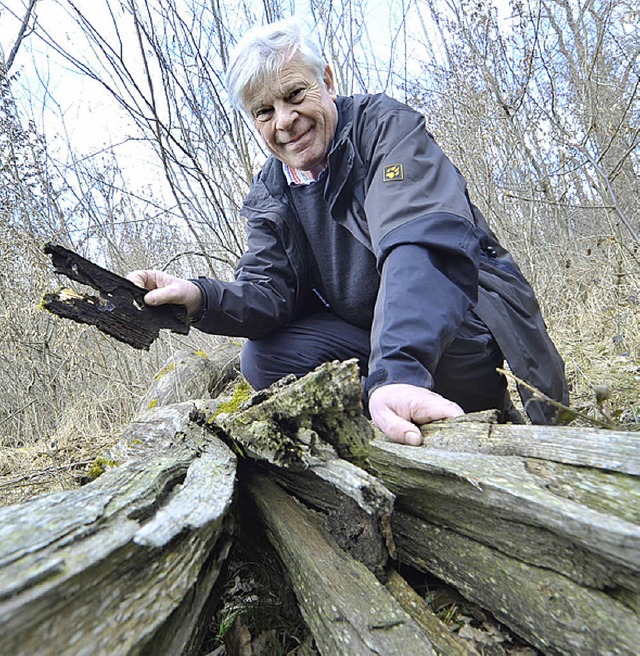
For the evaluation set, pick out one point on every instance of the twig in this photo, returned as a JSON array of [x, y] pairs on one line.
[[540, 396]]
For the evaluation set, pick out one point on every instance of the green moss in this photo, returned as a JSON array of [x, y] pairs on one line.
[[99, 466], [164, 371], [201, 354], [153, 403], [241, 393], [135, 441]]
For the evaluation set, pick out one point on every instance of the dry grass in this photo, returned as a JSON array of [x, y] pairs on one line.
[[592, 308]]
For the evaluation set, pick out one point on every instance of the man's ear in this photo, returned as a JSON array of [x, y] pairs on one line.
[[329, 82]]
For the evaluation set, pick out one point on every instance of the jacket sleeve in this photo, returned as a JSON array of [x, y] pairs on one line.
[[427, 248], [262, 296]]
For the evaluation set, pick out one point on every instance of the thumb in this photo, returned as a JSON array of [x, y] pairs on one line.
[[398, 429], [159, 296]]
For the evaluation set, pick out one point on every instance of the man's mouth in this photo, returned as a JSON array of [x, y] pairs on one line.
[[296, 139]]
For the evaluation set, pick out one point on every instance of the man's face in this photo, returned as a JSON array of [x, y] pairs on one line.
[[296, 116]]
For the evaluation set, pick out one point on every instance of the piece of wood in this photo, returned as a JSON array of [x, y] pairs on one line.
[[104, 568], [551, 611], [119, 309], [443, 641], [298, 427], [355, 508], [294, 423], [502, 502], [347, 609], [609, 450]]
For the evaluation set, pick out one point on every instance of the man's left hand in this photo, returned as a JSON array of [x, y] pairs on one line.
[[397, 408]]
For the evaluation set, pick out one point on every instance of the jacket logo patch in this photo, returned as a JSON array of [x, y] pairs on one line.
[[392, 172]]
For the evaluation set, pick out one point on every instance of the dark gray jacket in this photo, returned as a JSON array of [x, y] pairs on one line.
[[392, 187]]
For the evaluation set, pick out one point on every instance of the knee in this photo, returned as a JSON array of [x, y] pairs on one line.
[[254, 366]]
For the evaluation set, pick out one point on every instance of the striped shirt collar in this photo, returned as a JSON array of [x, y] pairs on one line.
[[295, 177]]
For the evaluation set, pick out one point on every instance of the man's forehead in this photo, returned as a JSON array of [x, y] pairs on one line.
[[282, 83]]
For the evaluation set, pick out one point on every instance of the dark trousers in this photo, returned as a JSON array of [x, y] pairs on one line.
[[465, 374]]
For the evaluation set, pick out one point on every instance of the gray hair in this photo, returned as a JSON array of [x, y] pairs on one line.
[[262, 53]]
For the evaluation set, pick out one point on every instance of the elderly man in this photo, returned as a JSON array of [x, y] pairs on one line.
[[362, 242]]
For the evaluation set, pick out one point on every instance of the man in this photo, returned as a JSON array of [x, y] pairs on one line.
[[362, 242]]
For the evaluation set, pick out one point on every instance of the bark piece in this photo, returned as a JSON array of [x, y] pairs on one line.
[[348, 611], [119, 309]]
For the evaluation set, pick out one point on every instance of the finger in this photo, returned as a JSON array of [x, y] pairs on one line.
[[138, 278], [398, 429], [162, 295], [437, 408]]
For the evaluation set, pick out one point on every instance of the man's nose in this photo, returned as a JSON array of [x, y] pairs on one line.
[[285, 117]]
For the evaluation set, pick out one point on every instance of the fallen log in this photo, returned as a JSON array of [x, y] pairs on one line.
[[109, 567], [538, 525], [128, 562], [515, 533], [346, 608]]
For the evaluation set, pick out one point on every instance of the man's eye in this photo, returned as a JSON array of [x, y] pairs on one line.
[[262, 114], [297, 95]]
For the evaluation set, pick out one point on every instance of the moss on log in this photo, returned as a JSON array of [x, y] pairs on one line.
[[189, 375], [291, 423]]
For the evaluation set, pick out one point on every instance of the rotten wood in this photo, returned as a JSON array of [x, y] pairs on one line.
[[552, 612], [118, 310], [295, 423], [354, 506], [347, 609], [298, 429], [111, 566]]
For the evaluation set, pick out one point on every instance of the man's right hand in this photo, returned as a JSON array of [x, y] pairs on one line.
[[164, 288]]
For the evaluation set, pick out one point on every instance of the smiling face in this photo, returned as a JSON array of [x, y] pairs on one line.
[[296, 115]]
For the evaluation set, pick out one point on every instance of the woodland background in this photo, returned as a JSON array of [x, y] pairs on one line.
[[535, 101]]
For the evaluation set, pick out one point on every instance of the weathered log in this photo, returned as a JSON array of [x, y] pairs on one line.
[[104, 568], [551, 611], [292, 427], [167, 411], [514, 519], [355, 508], [119, 309], [587, 447], [190, 374], [348, 611]]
